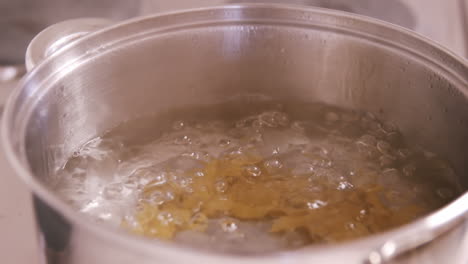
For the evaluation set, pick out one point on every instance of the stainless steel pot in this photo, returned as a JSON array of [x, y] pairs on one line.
[[202, 56]]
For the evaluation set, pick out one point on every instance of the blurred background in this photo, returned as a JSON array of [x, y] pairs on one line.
[[443, 21]]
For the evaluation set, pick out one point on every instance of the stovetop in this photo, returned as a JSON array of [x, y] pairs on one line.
[[445, 22]]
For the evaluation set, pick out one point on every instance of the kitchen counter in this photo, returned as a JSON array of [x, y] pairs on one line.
[[18, 243]]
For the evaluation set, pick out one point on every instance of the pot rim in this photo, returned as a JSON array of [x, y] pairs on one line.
[[438, 221]]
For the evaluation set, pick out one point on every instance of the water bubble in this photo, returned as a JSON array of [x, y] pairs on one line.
[[323, 174], [155, 197], [362, 215], [316, 204], [344, 185], [275, 151], [183, 182], [241, 123], [105, 216], [313, 150], [199, 173], [78, 174], [224, 142], [253, 171], [169, 196], [404, 153], [158, 179], [298, 126], [112, 191], [273, 119], [390, 177], [165, 218], [255, 139], [221, 186], [365, 149], [388, 128], [235, 152], [199, 219], [142, 172], [303, 169], [391, 172], [257, 124], [131, 182], [229, 226], [183, 140], [281, 119], [272, 165], [178, 125], [130, 221], [384, 147], [350, 226], [320, 162], [409, 170], [197, 155], [308, 159], [445, 193], [368, 140]]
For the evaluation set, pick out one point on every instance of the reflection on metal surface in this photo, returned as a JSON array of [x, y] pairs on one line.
[[464, 18], [59, 36], [391, 11], [394, 11]]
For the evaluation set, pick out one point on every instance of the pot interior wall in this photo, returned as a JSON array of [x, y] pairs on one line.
[[210, 64]]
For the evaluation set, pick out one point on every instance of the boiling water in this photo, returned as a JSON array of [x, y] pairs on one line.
[[255, 178]]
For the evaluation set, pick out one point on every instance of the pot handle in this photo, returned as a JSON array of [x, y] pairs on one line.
[[429, 234], [58, 36]]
